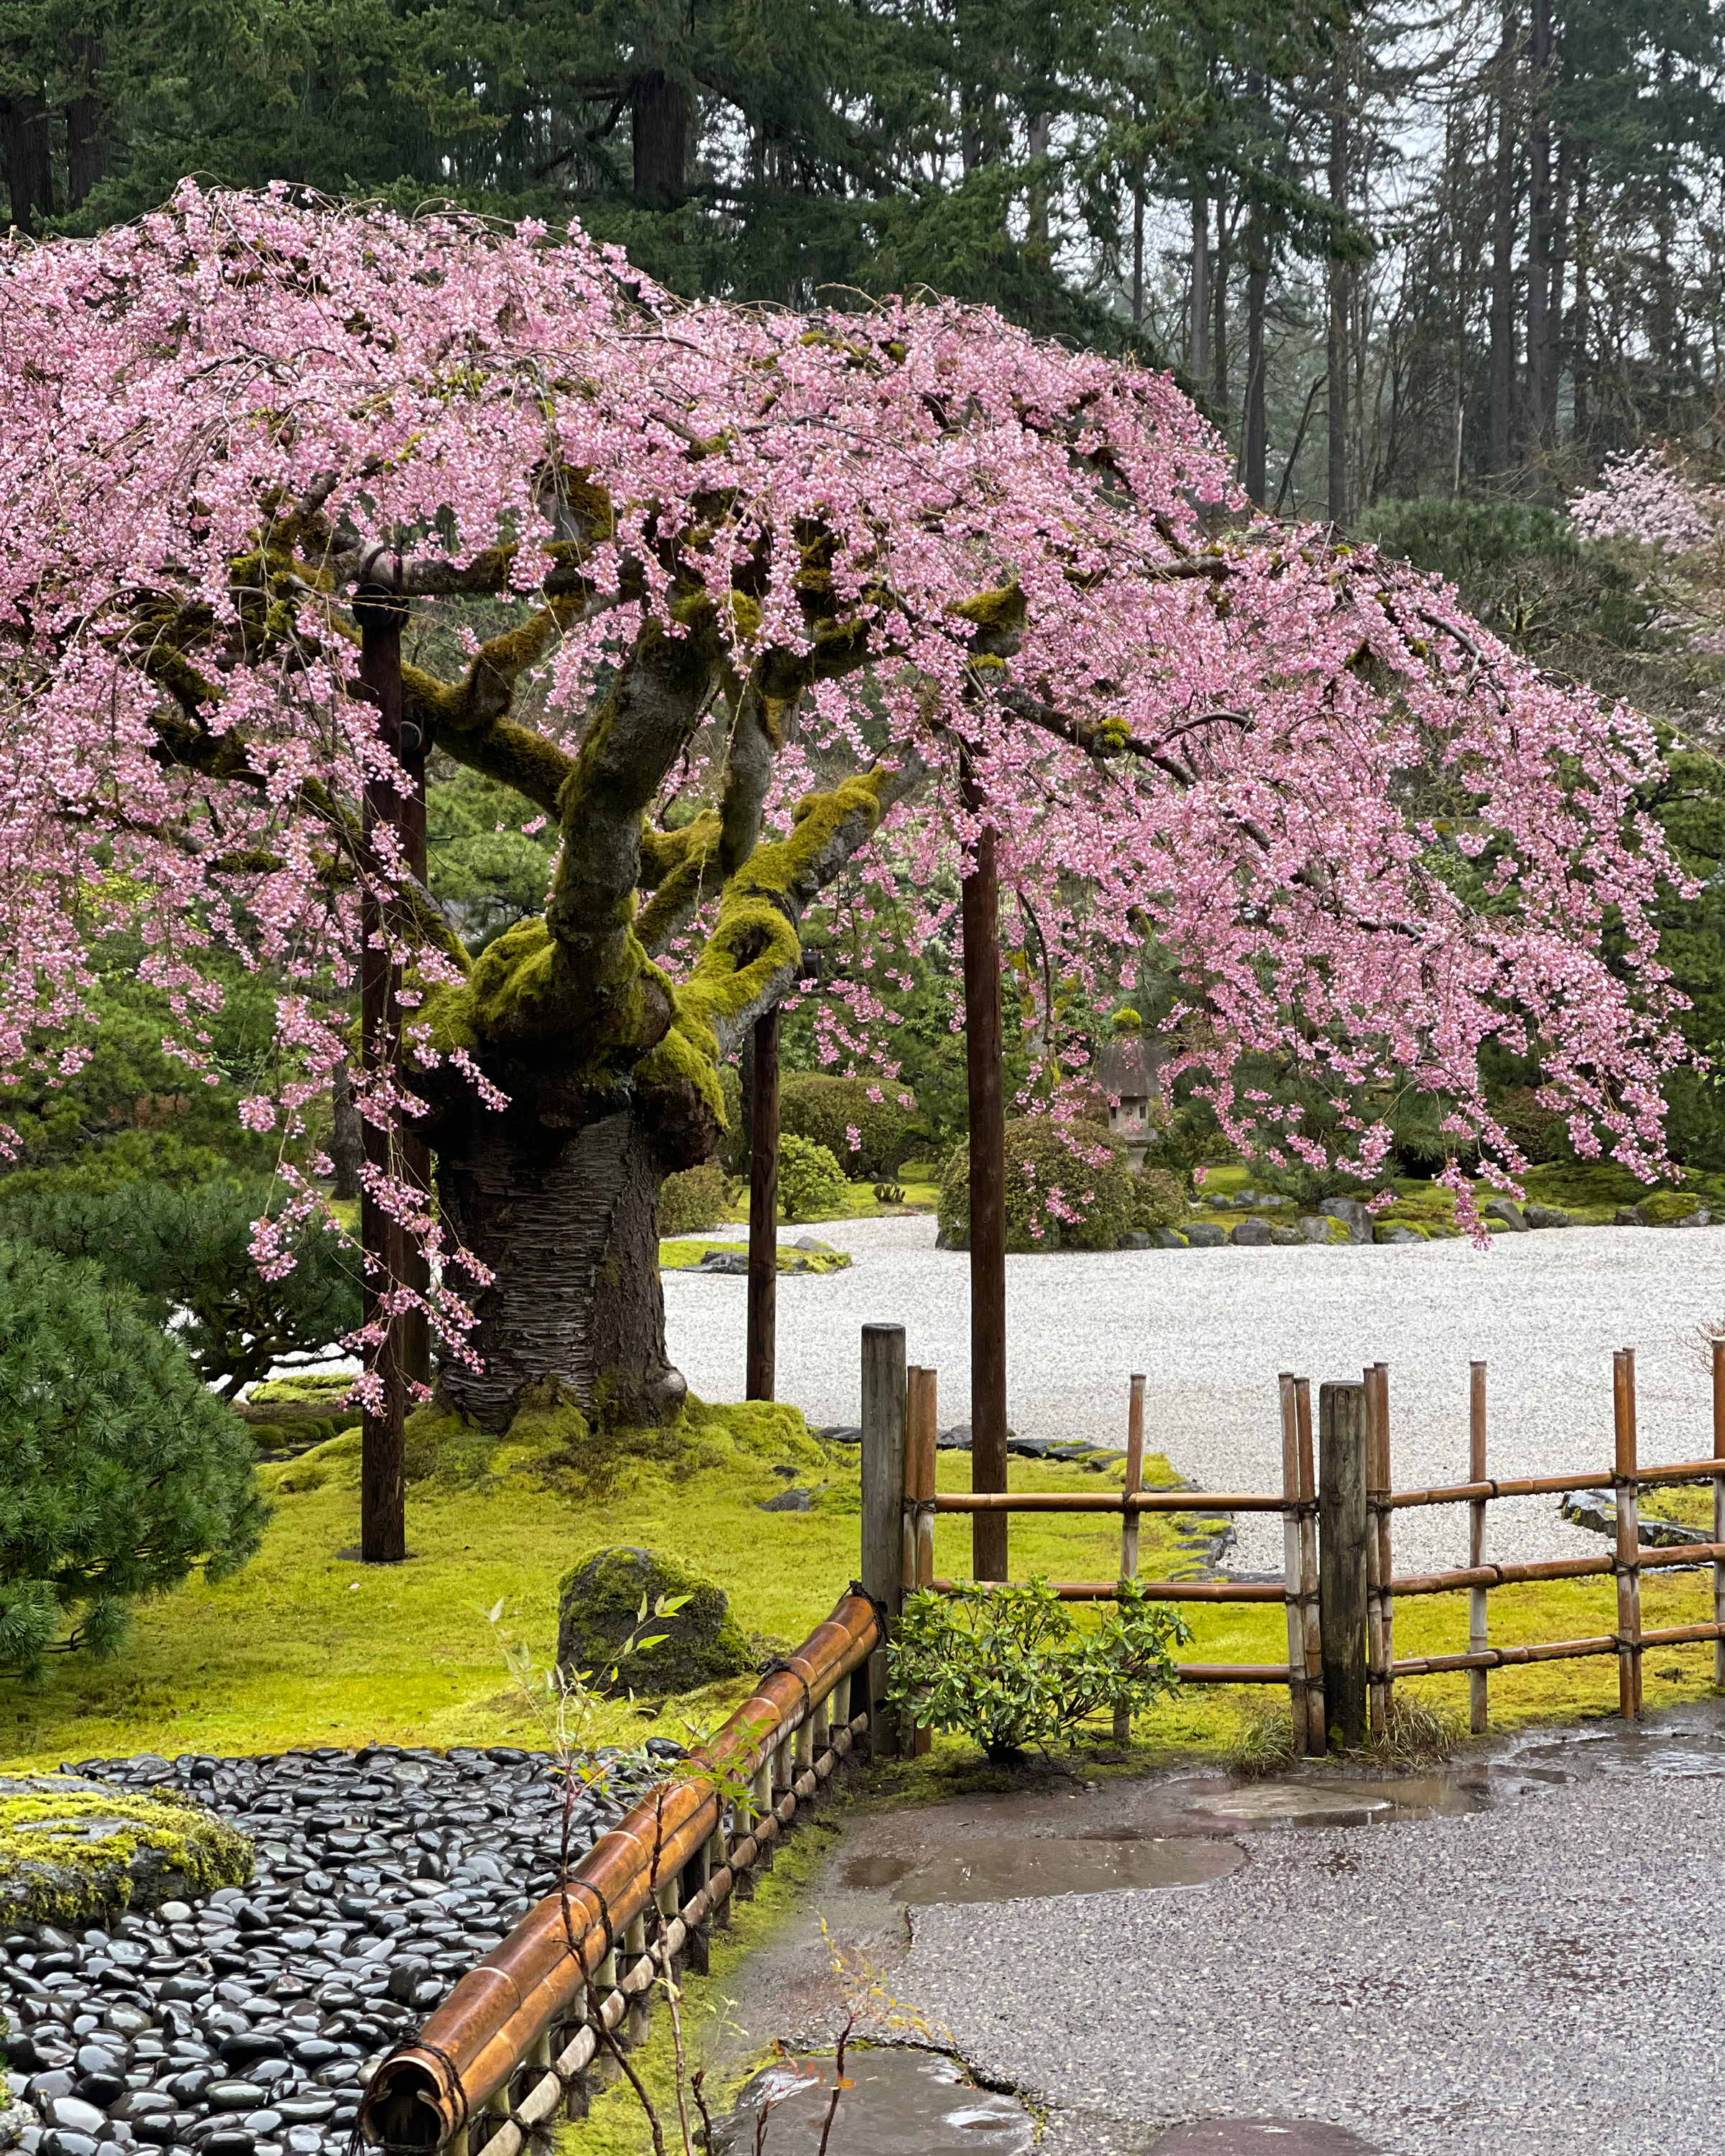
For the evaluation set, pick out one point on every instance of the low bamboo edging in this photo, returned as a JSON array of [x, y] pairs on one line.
[[671, 1852], [1111, 1500], [1159, 1590]]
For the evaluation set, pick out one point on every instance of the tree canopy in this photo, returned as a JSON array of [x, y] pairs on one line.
[[803, 601]]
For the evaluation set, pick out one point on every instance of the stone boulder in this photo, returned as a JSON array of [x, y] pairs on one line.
[[1354, 1214], [1505, 1215], [1253, 1232], [600, 1608], [71, 1847], [1206, 1235], [1320, 1228], [1545, 1216]]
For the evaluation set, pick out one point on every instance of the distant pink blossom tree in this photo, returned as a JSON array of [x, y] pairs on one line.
[[728, 594], [1642, 495]]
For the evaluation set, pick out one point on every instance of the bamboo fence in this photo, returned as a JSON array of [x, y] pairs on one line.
[[519, 2041], [1339, 1587]]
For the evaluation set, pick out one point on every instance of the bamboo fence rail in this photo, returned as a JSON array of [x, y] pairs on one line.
[[516, 2043]]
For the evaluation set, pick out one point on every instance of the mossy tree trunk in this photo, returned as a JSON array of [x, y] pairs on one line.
[[607, 1063], [567, 1222]]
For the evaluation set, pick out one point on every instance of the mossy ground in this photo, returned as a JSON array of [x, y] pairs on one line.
[[860, 1202]]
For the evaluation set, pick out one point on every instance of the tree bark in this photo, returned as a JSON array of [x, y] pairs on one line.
[[1198, 345], [1579, 324], [980, 909], [761, 1372], [1256, 447], [1500, 365], [1340, 299], [1138, 257], [347, 1143], [1543, 301], [659, 115], [567, 1222], [88, 152]]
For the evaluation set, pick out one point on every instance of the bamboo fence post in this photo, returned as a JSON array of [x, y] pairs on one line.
[[638, 2019], [1130, 1520], [1629, 1540], [1343, 1523], [921, 1424], [1290, 1559], [1478, 1597], [1719, 1506], [883, 1501], [1316, 1734], [1377, 1718], [1380, 1390]]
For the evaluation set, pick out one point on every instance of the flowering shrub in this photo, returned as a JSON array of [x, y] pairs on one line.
[[699, 1197], [1067, 1188]]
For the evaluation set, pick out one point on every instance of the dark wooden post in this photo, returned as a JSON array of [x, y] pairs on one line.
[[382, 1513], [884, 1403], [1342, 1519], [763, 1209], [415, 1153], [980, 906]]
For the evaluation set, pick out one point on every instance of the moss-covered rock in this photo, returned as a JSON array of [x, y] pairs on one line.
[[1668, 1209], [612, 1598], [70, 1847]]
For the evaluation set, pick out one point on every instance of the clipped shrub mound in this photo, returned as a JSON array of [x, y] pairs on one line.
[[826, 1110], [118, 1471], [699, 1197], [812, 1185], [1158, 1198], [71, 1848], [616, 1597], [1067, 1188]]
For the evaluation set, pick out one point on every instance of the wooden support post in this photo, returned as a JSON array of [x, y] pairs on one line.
[[920, 1425], [1130, 1520], [760, 1374], [381, 614], [1629, 1539], [1291, 1558], [1719, 1506], [637, 2021], [883, 1500], [1317, 1739], [415, 1152], [980, 898], [1342, 1521], [1478, 1597], [1380, 1568]]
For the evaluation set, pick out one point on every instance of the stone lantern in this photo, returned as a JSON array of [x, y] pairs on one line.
[[1130, 1068]]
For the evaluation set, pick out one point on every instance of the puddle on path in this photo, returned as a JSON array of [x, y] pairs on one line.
[[899, 2103], [1681, 1752], [998, 1869], [1260, 2137]]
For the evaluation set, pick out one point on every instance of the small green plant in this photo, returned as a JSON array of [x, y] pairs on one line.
[[699, 1197], [1263, 1742], [811, 1184], [1008, 1667], [888, 1194]]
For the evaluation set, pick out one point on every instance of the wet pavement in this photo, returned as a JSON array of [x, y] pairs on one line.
[[1516, 1953]]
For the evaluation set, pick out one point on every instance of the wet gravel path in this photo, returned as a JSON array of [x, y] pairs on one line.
[[1542, 1978], [1212, 1328], [247, 2023]]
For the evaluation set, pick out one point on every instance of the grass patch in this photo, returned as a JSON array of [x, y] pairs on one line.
[[680, 1254], [305, 1646], [860, 1202]]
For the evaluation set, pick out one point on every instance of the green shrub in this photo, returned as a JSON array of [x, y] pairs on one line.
[[188, 1248], [1067, 1188], [699, 1197], [827, 1110], [119, 1470], [733, 1152], [1008, 1667], [1158, 1198], [811, 1184]]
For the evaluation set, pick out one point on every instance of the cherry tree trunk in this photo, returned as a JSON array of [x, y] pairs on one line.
[[567, 1220]]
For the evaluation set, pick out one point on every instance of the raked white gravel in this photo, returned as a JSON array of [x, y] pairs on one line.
[[1211, 1329]]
